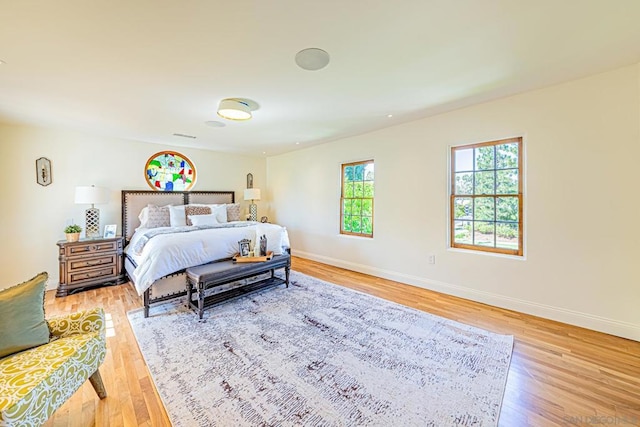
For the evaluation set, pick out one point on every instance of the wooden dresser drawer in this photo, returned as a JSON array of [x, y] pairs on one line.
[[82, 248], [91, 275], [84, 263]]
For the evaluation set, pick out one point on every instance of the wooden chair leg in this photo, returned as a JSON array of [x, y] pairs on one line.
[[98, 386]]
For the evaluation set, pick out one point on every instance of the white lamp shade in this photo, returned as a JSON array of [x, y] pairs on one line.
[[252, 194], [89, 195]]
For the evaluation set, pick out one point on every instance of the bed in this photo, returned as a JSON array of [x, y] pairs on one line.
[[156, 270]]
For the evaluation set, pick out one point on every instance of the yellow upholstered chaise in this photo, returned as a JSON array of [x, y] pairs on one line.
[[36, 382]]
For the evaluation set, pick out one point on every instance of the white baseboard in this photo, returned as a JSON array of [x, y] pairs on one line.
[[585, 320]]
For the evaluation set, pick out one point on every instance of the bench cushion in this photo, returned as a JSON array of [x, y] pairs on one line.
[[223, 271]]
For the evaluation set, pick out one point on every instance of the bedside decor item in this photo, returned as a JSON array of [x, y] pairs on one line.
[[252, 194], [72, 232], [262, 246], [264, 219], [43, 171], [243, 247], [110, 231], [92, 195], [170, 171]]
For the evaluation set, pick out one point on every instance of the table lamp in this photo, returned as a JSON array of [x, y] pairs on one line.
[[252, 194], [92, 195]]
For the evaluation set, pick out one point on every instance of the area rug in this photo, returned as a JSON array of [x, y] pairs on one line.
[[318, 354]]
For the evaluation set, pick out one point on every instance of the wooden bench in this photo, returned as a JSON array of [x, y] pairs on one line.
[[221, 273]]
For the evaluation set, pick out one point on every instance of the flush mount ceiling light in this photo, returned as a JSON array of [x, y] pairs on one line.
[[312, 59], [236, 108]]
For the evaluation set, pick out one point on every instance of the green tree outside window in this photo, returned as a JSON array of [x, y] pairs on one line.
[[486, 196], [356, 200]]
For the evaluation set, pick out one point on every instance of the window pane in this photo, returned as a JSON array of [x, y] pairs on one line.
[[507, 235], [483, 209], [348, 190], [355, 224], [462, 232], [357, 207], [464, 160], [346, 223], [367, 207], [464, 183], [507, 181], [359, 172], [348, 173], [463, 208], [368, 172], [507, 156], [484, 158], [484, 183], [507, 209], [346, 207], [483, 233], [357, 189], [367, 225], [368, 189]]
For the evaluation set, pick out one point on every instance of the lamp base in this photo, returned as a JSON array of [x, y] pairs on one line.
[[92, 222], [253, 212]]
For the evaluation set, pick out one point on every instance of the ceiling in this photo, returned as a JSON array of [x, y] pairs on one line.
[[146, 70]]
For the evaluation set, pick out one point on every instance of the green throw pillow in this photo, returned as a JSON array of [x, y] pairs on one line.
[[22, 324]]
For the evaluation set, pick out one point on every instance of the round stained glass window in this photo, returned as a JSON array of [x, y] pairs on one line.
[[170, 171]]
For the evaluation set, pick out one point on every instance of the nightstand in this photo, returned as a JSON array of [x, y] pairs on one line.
[[89, 263]]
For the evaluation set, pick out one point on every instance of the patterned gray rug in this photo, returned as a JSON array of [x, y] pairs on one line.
[[318, 354]]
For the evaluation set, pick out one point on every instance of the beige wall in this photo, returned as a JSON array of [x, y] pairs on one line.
[[32, 217], [582, 154]]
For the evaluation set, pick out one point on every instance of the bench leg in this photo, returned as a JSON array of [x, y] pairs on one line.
[[98, 386], [189, 293], [287, 269], [201, 288], [146, 303]]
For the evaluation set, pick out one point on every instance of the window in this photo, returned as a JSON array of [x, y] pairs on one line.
[[356, 200], [486, 196]]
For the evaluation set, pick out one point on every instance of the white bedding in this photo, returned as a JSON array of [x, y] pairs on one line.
[[168, 253]]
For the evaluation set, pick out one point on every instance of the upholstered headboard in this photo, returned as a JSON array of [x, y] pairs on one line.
[[134, 200]]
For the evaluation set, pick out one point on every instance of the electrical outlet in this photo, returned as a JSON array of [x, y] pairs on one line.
[[432, 259]]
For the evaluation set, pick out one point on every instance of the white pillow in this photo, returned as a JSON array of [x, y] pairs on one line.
[[220, 211], [210, 219], [274, 234], [144, 217], [177, 217]]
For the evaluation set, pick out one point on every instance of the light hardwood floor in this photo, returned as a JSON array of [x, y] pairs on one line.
[[559, 375]]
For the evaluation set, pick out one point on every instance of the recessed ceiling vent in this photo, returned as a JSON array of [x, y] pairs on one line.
[[182, 135]]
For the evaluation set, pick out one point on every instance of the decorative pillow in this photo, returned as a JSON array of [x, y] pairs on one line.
[[22, 324], [192, 210], [233, 211], [177, 217], [274, 234], [158, 216], [210, 219], [220, 211]]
